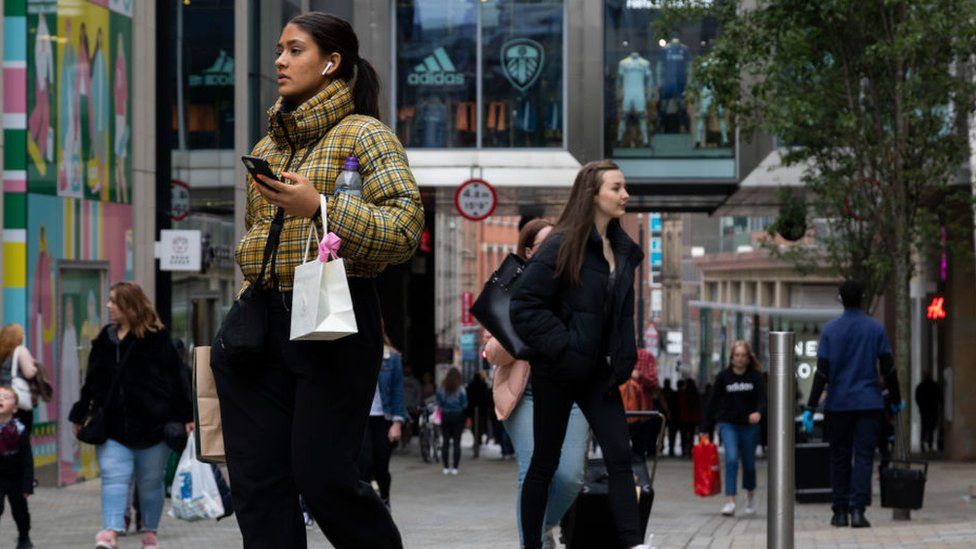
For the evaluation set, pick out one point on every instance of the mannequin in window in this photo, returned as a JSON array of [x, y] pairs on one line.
[[633, 84], [674, 71], [433, 116], [706, 106]]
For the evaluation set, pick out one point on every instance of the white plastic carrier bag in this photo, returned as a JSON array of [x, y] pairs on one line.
[[194, 491]]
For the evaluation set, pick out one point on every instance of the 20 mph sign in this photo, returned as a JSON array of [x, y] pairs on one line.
[[475, 199]]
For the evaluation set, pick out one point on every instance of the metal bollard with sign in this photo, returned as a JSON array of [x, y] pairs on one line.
[[779, 525]]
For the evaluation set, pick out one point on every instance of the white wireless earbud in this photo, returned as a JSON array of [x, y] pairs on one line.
[[327, 67]]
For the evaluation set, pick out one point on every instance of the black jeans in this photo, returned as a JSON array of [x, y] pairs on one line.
[[296, 425], [374, 460], [852, 434], [12, 488], [452, 427], [604, 410]]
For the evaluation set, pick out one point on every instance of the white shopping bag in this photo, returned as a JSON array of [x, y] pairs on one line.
[[194, 491], [321, 306]]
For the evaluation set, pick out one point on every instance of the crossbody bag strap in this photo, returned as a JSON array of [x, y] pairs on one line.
[[277, 224]]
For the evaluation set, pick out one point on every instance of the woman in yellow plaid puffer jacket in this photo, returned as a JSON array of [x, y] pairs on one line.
[[296, 424]]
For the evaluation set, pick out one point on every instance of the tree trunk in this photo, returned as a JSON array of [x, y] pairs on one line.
[[902, 344]]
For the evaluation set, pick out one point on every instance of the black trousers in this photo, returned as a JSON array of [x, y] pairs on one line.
[[374, 460], [12, 488], [852, 434], [296, 425], [604, 410], [452, 427]]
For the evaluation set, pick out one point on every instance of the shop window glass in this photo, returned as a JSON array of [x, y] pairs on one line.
[[522, 73], [654, 107], [437, 73]]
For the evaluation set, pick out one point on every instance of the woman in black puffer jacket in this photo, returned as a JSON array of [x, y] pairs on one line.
[[150, 393], [575, 307]]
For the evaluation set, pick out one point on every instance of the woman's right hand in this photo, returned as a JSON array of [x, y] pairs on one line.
[[497, 355], [74, 428]]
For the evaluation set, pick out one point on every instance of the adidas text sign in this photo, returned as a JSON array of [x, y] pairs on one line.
[[436, 70]]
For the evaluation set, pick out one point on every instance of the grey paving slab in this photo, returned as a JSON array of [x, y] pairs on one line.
[[477, 509]]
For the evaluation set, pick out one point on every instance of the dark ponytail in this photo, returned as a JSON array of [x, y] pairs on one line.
[[334, 34]]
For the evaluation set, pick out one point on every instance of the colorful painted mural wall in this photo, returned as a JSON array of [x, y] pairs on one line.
[[67, 192]]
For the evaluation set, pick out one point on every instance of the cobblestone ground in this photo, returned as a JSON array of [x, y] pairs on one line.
[[476, 509]]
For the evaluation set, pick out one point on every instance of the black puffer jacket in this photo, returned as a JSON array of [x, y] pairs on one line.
[[565, 324], [151, 392]]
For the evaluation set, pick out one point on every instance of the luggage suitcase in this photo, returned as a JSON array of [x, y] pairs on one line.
[[589, 524], [811, 466]]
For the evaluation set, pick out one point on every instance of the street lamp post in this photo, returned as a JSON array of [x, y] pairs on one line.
[[640, 285]]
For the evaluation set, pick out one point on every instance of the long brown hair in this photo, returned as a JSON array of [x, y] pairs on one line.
[[753, 361], [576, 221], [452, 381], [11, 336], [526, 238], [135, 306]]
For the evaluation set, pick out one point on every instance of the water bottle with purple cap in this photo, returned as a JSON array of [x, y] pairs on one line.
[[349, 180]]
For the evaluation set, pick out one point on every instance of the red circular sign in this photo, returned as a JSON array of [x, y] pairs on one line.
[[475, 199], [180, 201]]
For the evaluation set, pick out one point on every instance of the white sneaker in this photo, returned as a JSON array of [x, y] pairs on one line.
[[454, 472], [750, 505], [446, 471], [729, 509]]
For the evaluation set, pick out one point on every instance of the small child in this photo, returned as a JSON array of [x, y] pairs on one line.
[[634, 401], [16, 466]]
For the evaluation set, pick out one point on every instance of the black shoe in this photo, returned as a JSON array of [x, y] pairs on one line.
[[840, 518], [24, 543], [858, 520]]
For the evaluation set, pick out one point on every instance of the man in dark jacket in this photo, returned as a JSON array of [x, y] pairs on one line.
[[850, 348]]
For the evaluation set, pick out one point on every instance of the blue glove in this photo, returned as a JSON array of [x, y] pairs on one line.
[[807, 421], [897, 407]]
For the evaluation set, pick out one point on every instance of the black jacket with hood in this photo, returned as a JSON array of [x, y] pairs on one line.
[[150, 394], [571, 328]]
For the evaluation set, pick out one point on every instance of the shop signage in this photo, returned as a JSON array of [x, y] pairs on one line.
[[936, 309], [179, 250], [675, 338], [522, 62], [651, 341], [806, 358], [436, 70], [179, 200], [221, 73], [475, 199], [467, 299]]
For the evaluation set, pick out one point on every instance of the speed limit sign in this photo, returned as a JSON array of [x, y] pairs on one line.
[[475, 199]]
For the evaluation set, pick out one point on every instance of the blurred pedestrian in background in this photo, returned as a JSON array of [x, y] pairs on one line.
[[385, 426], [16, 465], [134, 376], [737, 403], [452, 400]]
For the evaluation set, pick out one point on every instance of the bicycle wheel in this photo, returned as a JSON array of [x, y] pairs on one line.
[[425, 444]]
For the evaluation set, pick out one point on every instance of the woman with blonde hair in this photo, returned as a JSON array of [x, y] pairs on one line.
[[11, 343], [737, 403], [134, 379]]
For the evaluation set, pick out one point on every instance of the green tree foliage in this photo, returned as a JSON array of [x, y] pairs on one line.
[[871, 97]]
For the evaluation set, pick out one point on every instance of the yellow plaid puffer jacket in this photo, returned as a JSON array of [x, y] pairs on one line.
[[381, 228]]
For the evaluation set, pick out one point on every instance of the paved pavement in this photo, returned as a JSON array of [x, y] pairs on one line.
[[476, 509]]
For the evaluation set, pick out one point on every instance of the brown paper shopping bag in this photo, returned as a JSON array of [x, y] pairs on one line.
[[208, 434]]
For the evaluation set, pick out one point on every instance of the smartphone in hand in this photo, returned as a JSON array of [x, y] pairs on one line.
[[259, 166]]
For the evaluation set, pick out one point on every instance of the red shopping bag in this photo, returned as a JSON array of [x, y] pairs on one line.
[[708, 480]]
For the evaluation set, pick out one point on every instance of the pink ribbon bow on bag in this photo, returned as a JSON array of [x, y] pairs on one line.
[[329, 247]]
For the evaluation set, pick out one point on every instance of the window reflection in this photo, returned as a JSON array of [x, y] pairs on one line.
[[436, 73], [654, 107], [522, 73]]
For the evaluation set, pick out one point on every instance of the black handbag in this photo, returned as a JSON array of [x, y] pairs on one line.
[[240, 341], [491, 307], [94, 428]]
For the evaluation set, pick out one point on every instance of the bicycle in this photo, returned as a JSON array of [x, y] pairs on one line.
[[429, 433]]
